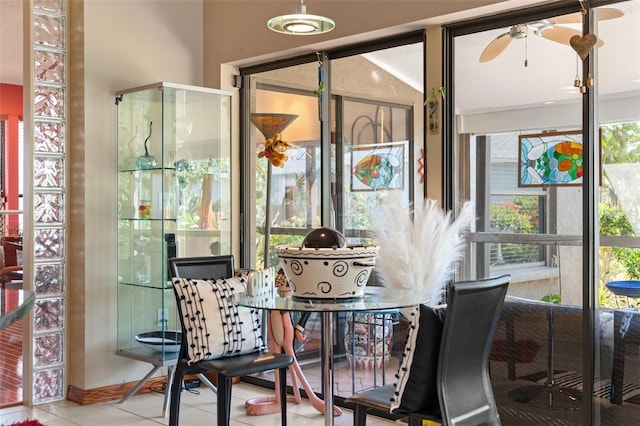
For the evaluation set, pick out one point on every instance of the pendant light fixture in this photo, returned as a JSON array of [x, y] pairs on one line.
[[301, 23]]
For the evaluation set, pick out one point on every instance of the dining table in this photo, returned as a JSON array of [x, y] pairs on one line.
[[14, 304], [374, 299]]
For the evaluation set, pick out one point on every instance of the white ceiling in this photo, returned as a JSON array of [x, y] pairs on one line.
[[548, 77], [552, 67], [11, 41]]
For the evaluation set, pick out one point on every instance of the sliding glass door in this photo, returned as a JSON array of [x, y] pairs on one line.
[[525, 152], [286, 189], [617, 284], [366, 150], [352, 123]]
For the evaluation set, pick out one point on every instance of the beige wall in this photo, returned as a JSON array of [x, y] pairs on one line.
[[132, 43], [126, 44], [236, 31], [433, 153]]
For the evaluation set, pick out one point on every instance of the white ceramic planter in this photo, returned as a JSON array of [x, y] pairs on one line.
[[327, 273], [368, 338]]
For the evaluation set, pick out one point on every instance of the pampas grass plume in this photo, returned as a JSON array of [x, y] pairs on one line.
[[419, 249]]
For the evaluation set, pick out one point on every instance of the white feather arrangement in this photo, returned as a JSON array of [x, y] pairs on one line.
[[419, 248]]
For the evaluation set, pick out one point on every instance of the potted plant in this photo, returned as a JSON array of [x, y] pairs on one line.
[[433, 104]]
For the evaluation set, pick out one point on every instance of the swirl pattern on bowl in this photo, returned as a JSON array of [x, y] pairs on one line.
[[327, 273]]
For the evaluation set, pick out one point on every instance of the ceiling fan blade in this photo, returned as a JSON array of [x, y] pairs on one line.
[[495, 48], [560, 34], [604, 13]]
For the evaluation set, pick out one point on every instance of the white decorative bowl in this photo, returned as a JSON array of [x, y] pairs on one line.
[[327, 273]]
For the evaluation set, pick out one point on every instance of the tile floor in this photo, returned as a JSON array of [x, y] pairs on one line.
[[196, 409]]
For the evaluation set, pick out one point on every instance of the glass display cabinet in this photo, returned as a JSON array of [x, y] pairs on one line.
[[174, 199]]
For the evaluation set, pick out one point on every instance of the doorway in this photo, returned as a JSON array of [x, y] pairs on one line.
[[511, 118]]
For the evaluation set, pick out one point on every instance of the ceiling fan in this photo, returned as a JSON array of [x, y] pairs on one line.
[[551, 29]]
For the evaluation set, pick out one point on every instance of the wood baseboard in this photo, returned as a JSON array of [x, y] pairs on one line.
[[114, 392]]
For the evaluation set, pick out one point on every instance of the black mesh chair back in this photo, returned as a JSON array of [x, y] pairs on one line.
[[212, 268], [463, 383], [202, 268]]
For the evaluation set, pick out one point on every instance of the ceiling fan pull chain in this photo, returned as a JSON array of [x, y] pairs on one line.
[[526, 49]]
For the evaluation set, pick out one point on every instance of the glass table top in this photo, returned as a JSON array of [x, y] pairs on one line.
[[374, 299], [21, 302]]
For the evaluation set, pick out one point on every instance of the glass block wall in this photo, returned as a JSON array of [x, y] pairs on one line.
[[46, 208]]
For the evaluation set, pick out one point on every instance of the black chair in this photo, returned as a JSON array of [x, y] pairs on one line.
[[202, 267], [216, 267], [463, 383]]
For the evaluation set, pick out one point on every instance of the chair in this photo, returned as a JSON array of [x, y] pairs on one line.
[[552, 394], [207, 267], [463, 384], [215, 267], [12, 271], [204, 267], [626, 326]]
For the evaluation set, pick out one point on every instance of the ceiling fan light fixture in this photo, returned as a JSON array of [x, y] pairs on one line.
[[518, 31], [301, 23]]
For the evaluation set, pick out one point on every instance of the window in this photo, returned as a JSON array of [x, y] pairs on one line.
[[513, 210], [619, 200], [12, 166], [376, 160], [342, 157]]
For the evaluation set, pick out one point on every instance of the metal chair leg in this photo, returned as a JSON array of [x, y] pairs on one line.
[[359, 415], [283, 395], [167, 392], [176, 390], [224, 399]]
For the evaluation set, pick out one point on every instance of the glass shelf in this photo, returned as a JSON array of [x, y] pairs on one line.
[[187, 131]]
